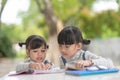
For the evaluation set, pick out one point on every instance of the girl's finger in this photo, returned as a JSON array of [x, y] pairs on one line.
[[48, 66], [81, 65], [78, 64]]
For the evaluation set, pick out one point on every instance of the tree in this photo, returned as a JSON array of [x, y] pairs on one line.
[[54, 24]]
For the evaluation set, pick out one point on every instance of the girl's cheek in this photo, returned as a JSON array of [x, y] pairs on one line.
[[44, 55]]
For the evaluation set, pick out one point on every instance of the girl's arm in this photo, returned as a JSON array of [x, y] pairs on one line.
[[23, 67], [98, 60]]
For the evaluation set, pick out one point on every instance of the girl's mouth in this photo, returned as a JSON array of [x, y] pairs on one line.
[[39, 58], [65, 55]]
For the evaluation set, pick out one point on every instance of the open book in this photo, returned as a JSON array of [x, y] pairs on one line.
[[54, 70]]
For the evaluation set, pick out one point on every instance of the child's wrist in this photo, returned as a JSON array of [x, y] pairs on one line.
[[30, 66]]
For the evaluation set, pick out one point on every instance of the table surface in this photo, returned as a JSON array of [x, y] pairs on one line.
[[62, 76]]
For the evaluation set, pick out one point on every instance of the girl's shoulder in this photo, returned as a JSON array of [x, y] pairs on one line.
[[28, 60], [83, 52], [86, 52]]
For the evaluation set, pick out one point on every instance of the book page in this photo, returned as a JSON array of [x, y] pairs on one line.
[[54, 70]]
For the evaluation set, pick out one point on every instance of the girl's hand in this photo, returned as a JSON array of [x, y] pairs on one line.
[[82, 63], [47, 66], [37, 66]]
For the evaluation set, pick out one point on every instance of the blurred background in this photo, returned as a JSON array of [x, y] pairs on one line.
[[99, 21]]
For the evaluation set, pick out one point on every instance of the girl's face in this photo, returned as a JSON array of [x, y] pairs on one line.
[[37, 55], [68, 51]]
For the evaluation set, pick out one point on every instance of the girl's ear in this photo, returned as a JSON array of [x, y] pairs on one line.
[[79, 46]]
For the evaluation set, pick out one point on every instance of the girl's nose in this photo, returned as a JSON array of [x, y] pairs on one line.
[[39, 53], [62, 50]]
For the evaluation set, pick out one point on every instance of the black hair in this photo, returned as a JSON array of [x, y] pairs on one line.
[[33, 42], [70, 35]]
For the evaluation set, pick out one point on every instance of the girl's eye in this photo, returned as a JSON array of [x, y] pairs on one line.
[[67, 46], [34, 51], [43, 50]]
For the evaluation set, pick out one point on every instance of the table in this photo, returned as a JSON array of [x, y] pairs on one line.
[[63, 76]]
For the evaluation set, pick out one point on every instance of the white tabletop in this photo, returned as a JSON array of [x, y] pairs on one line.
[[62, 76]]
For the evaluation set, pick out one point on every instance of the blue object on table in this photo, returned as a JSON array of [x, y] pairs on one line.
[[87, 72]]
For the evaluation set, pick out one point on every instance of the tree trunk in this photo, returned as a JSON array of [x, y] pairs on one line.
[[55, 25]]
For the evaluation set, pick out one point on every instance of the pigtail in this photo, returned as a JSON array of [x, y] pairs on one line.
[[21, 44], [85, 41]]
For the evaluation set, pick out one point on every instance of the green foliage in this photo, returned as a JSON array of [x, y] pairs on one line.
[[96, 25], [78, 13], [102, 25], [6, 46], [65, 9]]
